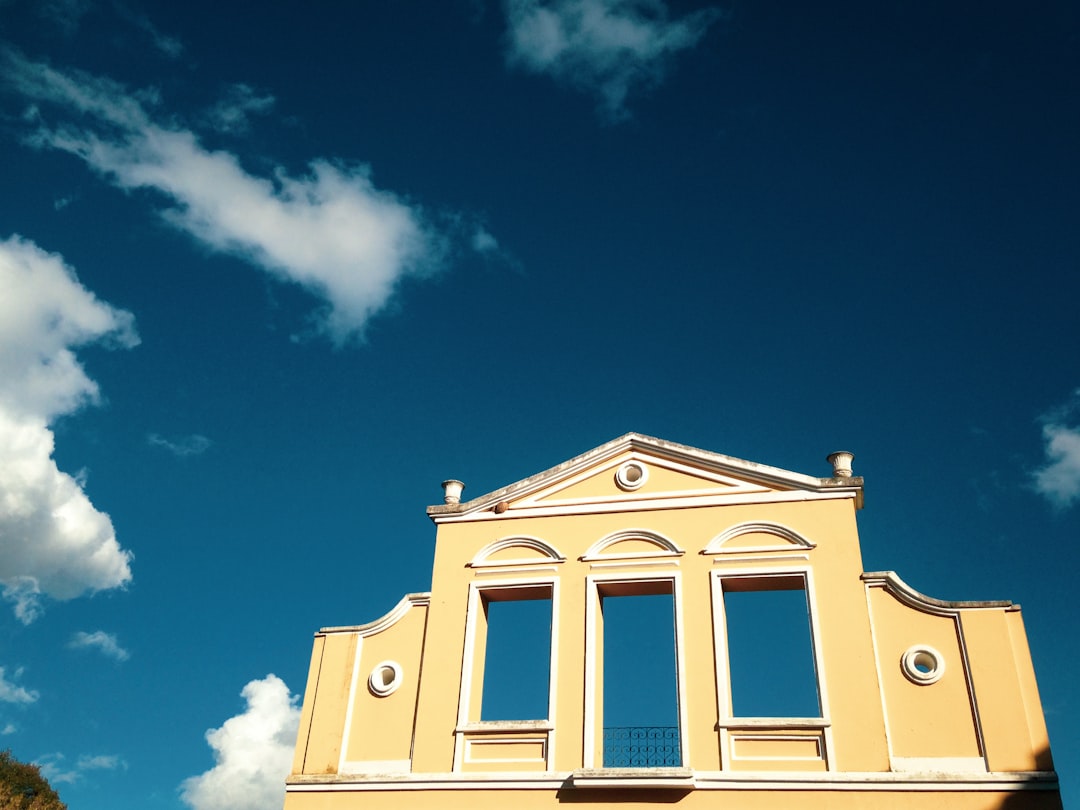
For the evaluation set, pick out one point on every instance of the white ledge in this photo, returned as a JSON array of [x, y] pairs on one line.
[[681, 778], [780, 723], [497, 726]]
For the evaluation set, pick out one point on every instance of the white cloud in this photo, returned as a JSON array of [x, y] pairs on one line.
[[253, 753], [1058, 479], [99, 640], [231, 114], [53, 542], [330, 230], [484, 242], [182, 446], [606, 47], [11, 692], [54, 769], [8, 729]]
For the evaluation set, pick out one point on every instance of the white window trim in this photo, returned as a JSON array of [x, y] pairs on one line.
[[592, 604], [468, 659], [728, 720]]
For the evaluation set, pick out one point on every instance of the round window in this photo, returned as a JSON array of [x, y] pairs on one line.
[[385, 678], [631, 475], [922, 665]]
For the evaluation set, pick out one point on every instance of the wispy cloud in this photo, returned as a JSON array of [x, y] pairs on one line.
[[1058, 479], [64, 14], [99, 640], [54, 767], [330, 230], [252, 752], [233, 112], [605, 47], [52, 540], [165, 44], [182, 446], [10, 692]]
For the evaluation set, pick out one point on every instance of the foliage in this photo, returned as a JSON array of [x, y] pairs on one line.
[[22, 787]]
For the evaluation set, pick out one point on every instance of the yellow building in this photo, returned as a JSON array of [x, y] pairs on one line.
[[779, 673]]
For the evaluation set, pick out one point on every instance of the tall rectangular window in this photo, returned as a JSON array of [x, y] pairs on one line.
[[517, 654], [640, 676], [770, 651]]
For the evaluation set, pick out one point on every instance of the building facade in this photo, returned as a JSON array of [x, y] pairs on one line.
[[777, 673]]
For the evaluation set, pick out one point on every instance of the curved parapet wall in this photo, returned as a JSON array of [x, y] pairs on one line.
[[957, 686], [366, 677]]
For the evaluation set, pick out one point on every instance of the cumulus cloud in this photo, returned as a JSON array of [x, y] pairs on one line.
[[1058, 479], [183, 446], [252, 751], [99, 640], [10, 692], [605, 47], [330, 229], [53, 542]]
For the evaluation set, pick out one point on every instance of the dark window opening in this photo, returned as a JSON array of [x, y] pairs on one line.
[[640, 684], [770, 649], [517, 656]]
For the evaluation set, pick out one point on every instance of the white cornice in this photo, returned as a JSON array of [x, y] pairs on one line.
[[713, 463], [891, 582], [864, 781], [409, 601]]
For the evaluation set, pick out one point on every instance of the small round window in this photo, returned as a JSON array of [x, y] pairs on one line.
[[922, 665], [385, 678], [631, 475]]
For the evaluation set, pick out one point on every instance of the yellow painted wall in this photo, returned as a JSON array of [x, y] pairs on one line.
[[875, 719]]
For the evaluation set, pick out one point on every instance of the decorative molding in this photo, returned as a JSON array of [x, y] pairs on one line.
[[789, 535], [735, 472], [681, 500], [938, 765], [666, 547], [410, 600], [861, 781], [891, 582], [549, 552]]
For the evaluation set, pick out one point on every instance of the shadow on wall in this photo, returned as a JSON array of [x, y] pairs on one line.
[[1035, 799]]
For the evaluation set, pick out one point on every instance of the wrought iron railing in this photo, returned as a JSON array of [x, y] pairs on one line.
[[642, 747]]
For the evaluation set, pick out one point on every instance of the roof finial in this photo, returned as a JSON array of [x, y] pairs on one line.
[[452, 490], [841, 462]]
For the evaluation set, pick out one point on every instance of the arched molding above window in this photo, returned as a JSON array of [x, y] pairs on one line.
[[547, 552], [789, 537], [660, 546]]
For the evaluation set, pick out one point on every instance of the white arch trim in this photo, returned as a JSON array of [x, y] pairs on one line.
[[790, 536], [549, 552], [664, 546]]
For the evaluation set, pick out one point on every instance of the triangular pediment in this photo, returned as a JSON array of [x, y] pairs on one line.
[[640, 472]]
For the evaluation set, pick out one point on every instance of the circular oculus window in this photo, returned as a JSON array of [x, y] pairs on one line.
[[923, 665], [385, 678], [631, 476]]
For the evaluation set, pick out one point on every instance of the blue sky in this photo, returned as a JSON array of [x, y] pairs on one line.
[[268, 276]]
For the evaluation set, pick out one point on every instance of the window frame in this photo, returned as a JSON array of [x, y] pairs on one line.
[[727, 721], [470, 696], [593, 719]]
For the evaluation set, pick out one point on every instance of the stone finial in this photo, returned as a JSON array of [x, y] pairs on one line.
[[452, 490], [841, 462]]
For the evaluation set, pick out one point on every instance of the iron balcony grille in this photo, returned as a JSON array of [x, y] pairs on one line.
[[642, 747]]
